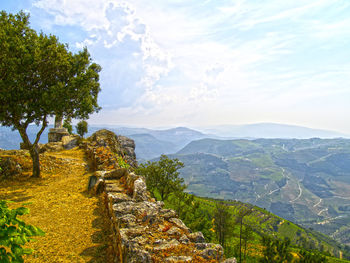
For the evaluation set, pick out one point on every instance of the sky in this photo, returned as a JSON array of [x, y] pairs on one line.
[[199, 63]]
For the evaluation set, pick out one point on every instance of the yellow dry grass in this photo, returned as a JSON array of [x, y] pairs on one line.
[[76, 227]]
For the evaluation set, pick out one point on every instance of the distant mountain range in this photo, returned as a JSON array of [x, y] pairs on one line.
[[271, 130], [151, 143]]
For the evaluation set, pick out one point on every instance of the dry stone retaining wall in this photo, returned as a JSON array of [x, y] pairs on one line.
[[143, 230]]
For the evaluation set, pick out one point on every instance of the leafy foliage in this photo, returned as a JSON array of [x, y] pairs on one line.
[[40, 78], [82, 128], [275, 250], [68, 125], [162, 177], [14, 233], [312, 257], [223, 223], [122, 163]]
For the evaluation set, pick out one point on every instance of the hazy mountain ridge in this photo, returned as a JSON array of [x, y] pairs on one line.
[[272, 130]]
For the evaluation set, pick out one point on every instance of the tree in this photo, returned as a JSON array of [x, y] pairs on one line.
[[82, 128], [311, 257], [40, 78], [222, 222], [247, 235], [275, 250], [243, 212], [162, 177]]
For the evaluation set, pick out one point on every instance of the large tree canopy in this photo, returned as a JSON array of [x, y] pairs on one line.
[[39, 78]]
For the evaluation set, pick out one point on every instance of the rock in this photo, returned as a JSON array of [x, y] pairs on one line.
[[140, 190], [127, 233], [99, 174], [202, 246], [213, 252], [140, 240], [184, 239], [70, 141], [113, 188], [230, 260], [127, 221], [137, 255], [128, 147], [138, 209], [167, 244], [56, 134], [196, 237], [9, 167], [180, 224], [118, 197], [160, 203], [167, 213], [181, 259], [52, 147], [120, 145], [115, 174], [130, 179], [174, 231]]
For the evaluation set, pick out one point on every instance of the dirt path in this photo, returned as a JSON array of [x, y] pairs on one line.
[[74, 222]]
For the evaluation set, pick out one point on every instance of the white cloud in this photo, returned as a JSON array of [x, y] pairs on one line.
[[209, 62]]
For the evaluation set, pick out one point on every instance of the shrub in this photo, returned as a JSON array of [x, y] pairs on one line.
[[14, 233]]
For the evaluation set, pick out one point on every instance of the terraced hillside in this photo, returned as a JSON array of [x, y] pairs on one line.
[[306, 181]]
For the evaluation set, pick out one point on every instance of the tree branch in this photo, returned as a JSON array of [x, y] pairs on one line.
[[44, 125]]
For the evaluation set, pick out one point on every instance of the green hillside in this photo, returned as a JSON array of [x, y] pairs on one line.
[[263, 223], [305, 181]]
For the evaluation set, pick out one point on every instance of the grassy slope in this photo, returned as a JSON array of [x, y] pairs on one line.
[[264, 222]]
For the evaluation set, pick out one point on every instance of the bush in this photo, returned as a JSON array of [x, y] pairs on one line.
[[14, 233], [82, 128]]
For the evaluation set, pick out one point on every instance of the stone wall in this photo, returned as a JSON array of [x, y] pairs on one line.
[[143, 230]]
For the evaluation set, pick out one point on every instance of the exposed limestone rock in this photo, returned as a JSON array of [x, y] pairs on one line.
[[118, 144], [167, 213], [230, 260], [118, 197], [196, 237], [70, 141], [166, 244], [140, 190], [184, 239], [128, 146], [9, 167], [178, 259], [51, 147], [115, 174], [174, 231], [215, 251], [180, 224]]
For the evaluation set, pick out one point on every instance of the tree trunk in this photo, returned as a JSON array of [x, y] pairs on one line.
[[240, 242], [32, 147], [34, 153]]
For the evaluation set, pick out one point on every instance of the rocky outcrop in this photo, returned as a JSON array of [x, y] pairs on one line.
[[143, 230], [120, 145]]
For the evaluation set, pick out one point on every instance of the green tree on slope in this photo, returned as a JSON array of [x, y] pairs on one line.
[[40, 78], [162, 177], [82, 128]]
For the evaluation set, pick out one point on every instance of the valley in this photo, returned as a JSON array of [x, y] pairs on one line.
[[305, 181]]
